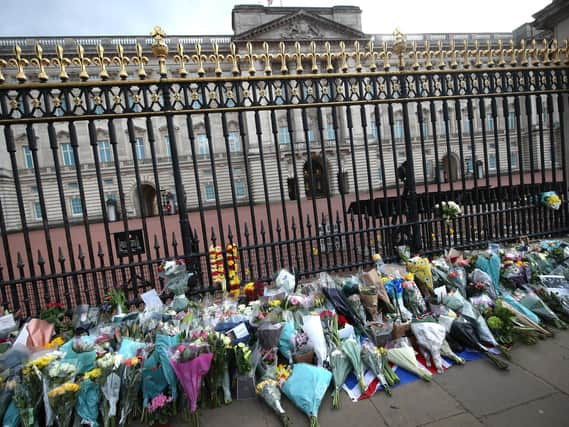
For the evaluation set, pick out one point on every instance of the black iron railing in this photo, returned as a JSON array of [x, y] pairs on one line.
[[332, 167]]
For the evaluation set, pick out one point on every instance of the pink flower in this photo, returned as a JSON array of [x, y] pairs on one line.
[[181, 348], [158, 402]]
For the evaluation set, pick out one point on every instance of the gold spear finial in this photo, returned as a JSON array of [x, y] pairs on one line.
[[160, 49]]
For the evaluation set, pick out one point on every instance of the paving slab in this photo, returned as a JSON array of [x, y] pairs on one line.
[[483, 389], [550, 411], [239, 413], [462, 420], [416, 403], [562, 337], [548, 360], [362, 414]]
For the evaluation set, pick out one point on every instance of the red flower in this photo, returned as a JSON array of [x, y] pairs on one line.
[[341, 320]]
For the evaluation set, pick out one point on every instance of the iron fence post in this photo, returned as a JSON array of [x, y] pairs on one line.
[[411, 191], [185, 228]]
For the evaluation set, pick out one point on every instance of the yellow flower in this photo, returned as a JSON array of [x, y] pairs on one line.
[[93, 373], [409, 277], [249, 287], [451, 231], [433, 236], [275, 303], [57, 391], [264, 383], [315, 251], [71, 387], [376, 257], [56, 342]]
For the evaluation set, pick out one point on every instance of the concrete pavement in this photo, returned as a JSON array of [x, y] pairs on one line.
[[534, 392]]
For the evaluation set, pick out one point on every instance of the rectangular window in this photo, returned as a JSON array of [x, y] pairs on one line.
[[139, 146], [466, 126], [37, 211], [73, 186], [489, 122], [104, 151], [398, 129], [492, 161], [469, 165], [511, 120], [209, 192], [76, 206], [373, 130], [515, 160], [425, 129], [203, 146], [28, 159], [284, 135], [108, 182], [67, 153], [330, 134], [234, 142], [240, 189], [311, 135], [430, 168], [168, 148], [34, 189]]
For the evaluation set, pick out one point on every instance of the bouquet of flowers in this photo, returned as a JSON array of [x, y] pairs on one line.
[[449, 210], [267, 365], [269, 391], [430, 336], [176, 277], [87, 407], [341, 368], [217, 343], [62, 401], [352, 349], [404, 357], [412, 296], [463, 332], [373, 360], [22, 397], [243, 358], [190, 364], [388, 373], [306, 387], [130, 386], [312, 326], [110, 381], [551, 200], [159, 410]]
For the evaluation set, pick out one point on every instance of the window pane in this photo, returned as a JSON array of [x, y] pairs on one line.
[[398, 129], [203, 148], [284, 136], [489, 122], [330, 132], [492, 161], [139, 145], [209, 192], [76, 206], [511, 120], [234, 142], [37, 211], [515, 159], [28, 159], [168, 148], [239, 189], [67, 152], [104, 151]]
